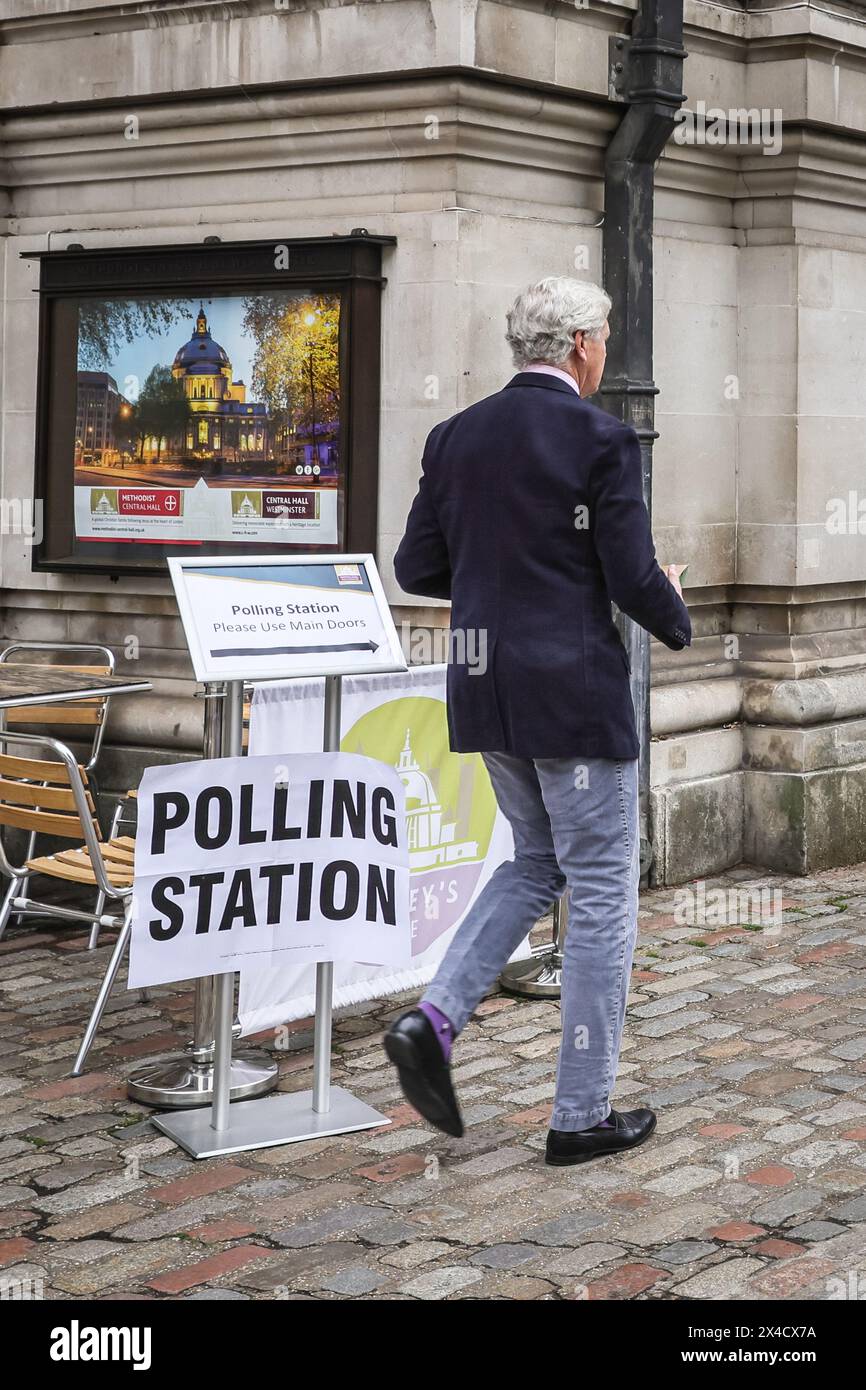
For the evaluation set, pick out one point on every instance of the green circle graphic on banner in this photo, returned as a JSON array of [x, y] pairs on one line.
[[450, 808], [450, 804]]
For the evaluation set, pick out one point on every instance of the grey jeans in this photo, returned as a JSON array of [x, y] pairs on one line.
[[575, 823]]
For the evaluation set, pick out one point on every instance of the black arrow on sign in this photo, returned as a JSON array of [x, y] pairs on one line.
[[295, 651]]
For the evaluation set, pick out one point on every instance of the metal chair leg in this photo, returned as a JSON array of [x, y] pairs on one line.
[[93, 939], [13, 891], [24, 883], [105, 989], [23, 892], [93, 942]]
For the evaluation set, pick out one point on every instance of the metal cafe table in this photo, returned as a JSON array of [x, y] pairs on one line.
[[22, 684]]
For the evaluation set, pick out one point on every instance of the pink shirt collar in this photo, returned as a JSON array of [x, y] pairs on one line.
[[552, 371]]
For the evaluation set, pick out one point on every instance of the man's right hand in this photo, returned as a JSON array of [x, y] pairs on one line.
[[672, 573]]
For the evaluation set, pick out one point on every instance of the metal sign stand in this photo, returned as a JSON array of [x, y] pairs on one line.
[[539, 976], [186, 1078], [231, 1126]]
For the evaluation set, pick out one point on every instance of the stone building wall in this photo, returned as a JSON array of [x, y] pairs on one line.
[[474, 131]]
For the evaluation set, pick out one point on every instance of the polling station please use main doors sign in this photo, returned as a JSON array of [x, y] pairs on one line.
[[266, 618]]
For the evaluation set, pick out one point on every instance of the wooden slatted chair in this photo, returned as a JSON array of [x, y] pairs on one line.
[[87, 716], [84, 719], [52, 797]]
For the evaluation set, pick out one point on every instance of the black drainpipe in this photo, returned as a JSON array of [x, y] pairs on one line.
[[646, 71]]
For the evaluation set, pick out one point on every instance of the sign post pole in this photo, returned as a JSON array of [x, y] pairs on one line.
[[224, 992], [222, 1062], [325, 968]]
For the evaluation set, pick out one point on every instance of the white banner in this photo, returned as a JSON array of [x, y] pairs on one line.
[[246, 863], [456, 835]]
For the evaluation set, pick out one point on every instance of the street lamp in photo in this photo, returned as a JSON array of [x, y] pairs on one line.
[[125, 414], [309, 320]]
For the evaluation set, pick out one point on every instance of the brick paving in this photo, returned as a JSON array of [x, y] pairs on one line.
[[749, 1041]]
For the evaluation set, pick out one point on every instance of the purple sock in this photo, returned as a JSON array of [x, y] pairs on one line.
[[442, 1027], [602, 1124]]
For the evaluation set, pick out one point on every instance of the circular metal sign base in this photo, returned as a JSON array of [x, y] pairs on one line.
[[537, 977], [179, 1083]]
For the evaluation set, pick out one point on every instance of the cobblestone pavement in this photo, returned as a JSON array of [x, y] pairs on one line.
[[749, 1041]]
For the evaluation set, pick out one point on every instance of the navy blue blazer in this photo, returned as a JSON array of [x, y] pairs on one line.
[[530, 518]]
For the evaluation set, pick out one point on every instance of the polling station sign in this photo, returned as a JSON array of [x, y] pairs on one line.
[[261, 618], [247, 863]]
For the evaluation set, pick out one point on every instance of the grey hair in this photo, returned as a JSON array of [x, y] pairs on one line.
[[543, 320]]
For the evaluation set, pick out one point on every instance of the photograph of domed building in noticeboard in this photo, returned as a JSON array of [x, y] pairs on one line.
[[214, 419]]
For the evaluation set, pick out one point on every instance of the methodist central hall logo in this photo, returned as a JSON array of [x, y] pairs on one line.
[[103, 501], [450, 808]]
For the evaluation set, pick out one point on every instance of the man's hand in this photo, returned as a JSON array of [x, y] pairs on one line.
[[672, 573]]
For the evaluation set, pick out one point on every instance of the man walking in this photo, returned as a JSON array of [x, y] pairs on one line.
[[530, 518]]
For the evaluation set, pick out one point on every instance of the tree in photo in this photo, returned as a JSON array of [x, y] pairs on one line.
[[105, 326], [296, 363], [161, 411]]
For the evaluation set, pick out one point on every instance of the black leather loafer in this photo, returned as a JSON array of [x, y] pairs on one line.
[[425, 1076], [630, 1128]]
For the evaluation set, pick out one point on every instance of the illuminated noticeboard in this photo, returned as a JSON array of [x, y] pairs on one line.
[[206, 399]]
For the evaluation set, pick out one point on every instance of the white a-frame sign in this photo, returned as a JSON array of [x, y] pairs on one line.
[[270, 618]]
